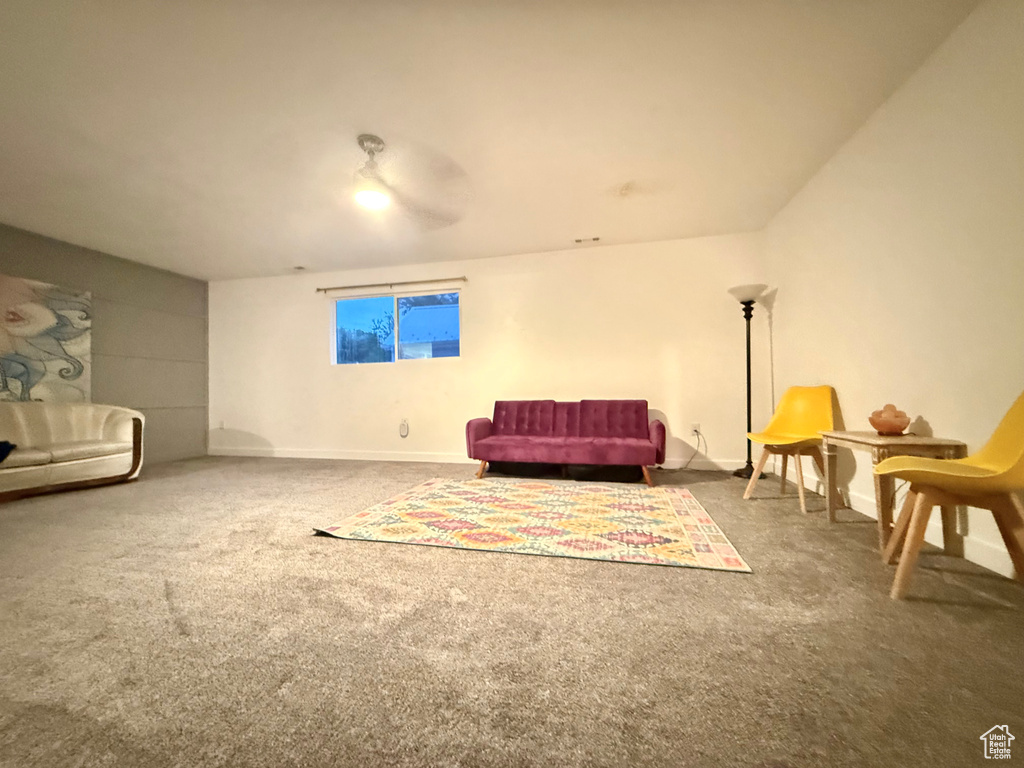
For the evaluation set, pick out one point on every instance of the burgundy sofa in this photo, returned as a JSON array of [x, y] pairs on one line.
[[608, 432]]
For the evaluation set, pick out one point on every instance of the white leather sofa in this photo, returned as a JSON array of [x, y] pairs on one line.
[[64, 445]]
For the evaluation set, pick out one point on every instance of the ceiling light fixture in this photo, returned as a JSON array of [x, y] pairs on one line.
[[371, 192]]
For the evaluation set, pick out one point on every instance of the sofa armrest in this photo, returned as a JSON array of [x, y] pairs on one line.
[[658, 438], [476, 429], [119, 424], [126, 426]]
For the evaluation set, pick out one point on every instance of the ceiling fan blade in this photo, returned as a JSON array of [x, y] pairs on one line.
[[430, 217]]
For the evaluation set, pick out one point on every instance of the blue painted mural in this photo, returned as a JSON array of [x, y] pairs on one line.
[[45, 342]]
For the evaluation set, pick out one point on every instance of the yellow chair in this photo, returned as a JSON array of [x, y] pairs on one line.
[[989, 479], [795, 429]]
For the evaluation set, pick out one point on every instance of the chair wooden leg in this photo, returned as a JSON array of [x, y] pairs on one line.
[[912, 546], [757, 473], [647, 476], [483, 468], [800, 480], [1010, 519], [819, 460], [782, 474], [899, 530], [1017, 504]]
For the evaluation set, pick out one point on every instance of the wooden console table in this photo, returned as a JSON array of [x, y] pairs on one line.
[[882, 447]]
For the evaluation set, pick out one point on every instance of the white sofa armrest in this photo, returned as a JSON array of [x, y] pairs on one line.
[[125, 425], [119, 424]]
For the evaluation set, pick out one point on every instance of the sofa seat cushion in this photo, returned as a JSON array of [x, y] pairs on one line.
[[87, 449], [530, 448], [611, 451], [567, 450], [25, 457]]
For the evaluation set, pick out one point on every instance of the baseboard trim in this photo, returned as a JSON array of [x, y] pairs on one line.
[[988, 555], [705, 464], [347, 455], [439, 458]]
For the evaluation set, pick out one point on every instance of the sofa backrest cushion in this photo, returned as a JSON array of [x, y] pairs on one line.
[[587, 418], [567, 420], [523, 417], [614, 418], [30, 425]]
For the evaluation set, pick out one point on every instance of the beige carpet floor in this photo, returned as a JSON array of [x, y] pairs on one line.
[[191, 619]]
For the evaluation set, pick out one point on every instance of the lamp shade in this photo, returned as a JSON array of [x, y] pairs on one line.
[[750, 292]]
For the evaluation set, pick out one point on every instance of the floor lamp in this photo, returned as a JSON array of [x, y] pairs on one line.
[[747, 295]]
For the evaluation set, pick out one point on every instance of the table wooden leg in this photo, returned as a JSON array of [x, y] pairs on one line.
[[831, 492], [884, 486], [952, 542]]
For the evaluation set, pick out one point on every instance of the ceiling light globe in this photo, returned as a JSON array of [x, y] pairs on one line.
[[373, 199]]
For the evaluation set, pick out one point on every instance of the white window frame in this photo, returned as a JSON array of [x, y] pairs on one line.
[[424, 288]]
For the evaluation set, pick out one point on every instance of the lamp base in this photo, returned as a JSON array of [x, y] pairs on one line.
[[746, 472]]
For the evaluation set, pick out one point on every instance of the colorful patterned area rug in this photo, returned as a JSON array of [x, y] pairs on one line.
[[618, 523]]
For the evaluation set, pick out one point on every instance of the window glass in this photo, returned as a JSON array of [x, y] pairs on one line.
[[365, 330], [428, 326]]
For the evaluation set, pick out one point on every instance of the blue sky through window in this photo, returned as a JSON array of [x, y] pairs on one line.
[[428, 326], [361, 324]]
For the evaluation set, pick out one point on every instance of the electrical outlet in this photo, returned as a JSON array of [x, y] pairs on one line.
[[403, 428], [695, 428]]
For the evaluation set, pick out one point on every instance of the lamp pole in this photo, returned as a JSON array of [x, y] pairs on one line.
[[748, 312]]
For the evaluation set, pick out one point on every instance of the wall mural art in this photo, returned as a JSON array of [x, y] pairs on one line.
[[45, 342]]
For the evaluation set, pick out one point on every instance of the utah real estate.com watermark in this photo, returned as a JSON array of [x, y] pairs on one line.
[[997, 742]]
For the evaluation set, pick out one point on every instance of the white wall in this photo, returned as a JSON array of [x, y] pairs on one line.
[[900, 266], [649, 321]]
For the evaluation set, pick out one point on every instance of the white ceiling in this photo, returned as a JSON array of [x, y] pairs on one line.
[[216, 138]]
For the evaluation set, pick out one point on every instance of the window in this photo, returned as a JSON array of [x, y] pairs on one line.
[[365, 330], [425, 326]]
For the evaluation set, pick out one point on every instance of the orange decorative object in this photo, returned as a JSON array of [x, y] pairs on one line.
[[889, 420]]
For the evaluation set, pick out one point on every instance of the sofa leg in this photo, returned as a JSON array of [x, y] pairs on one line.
[[483, 468], [647, 476]]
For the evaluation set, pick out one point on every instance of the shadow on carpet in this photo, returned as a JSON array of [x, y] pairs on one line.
[[622, 524]]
